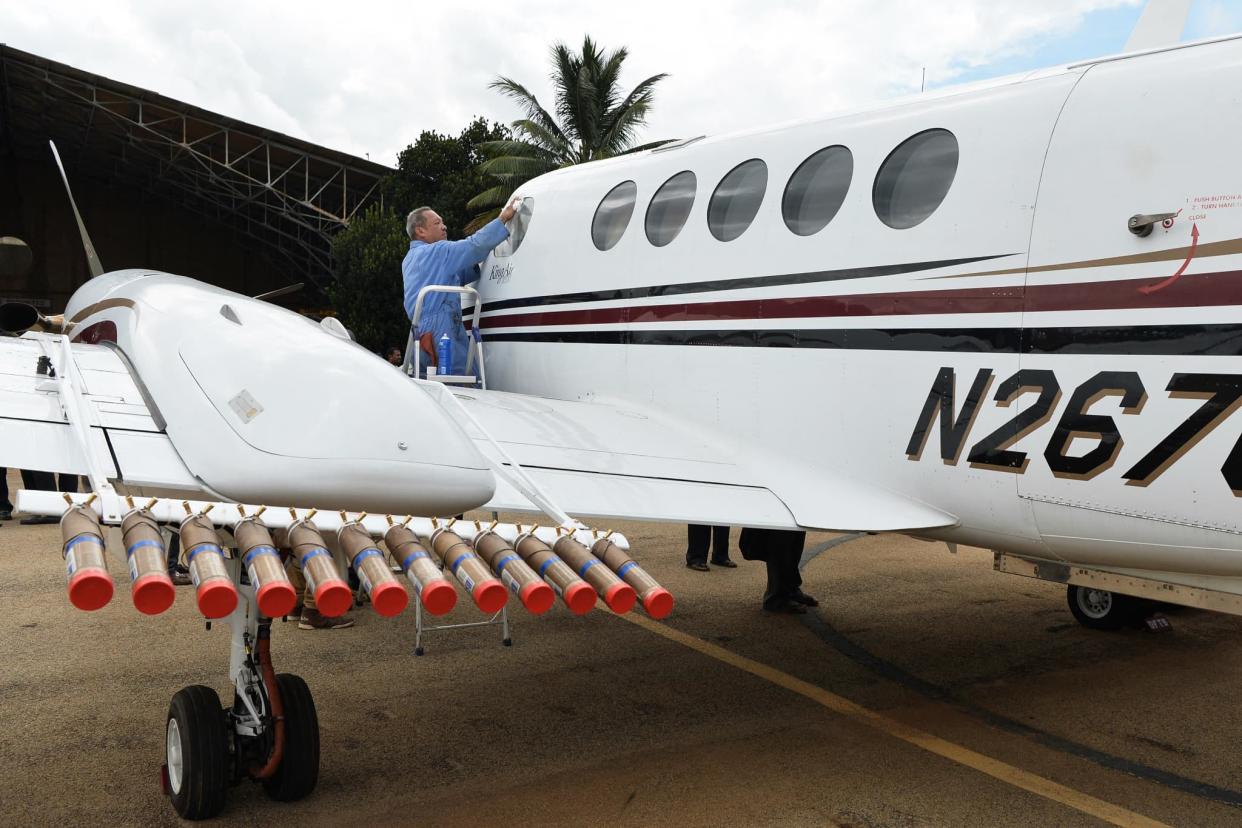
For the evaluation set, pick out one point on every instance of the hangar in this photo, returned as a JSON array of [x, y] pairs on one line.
[[163, 184]]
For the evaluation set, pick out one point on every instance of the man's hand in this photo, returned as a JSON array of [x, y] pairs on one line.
[[510, 210]]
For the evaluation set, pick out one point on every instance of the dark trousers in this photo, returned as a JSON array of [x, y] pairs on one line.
[[46, 481], [781, 550], [6, 505], [699, 537]]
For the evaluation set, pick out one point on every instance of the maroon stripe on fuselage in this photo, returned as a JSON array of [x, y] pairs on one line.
[[1202, 290]]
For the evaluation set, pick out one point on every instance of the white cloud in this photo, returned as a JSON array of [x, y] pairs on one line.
[[367, 77]]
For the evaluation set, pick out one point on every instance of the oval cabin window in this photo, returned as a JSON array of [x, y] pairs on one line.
[[670, 207], [612, 215], [915, 178], [817, 189], [736, 200], [517, 229]]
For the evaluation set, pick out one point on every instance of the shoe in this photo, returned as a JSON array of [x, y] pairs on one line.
[[38, 520], [804, 599], [785, 608], [313, 619], [697, 566], [6, 514], [726, 563], [180, 578]]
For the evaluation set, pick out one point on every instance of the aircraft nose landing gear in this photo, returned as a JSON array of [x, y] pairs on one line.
[[1100, 609]]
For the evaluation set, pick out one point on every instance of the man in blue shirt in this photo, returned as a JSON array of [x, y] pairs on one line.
[[433, 260]]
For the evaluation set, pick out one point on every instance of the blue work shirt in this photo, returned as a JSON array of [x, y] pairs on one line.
[[450, 263]]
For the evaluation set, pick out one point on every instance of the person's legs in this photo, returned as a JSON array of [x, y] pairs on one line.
[[720, 547], [6, 505], [67, 483], [40, 481], [784, 593], [698, 537]]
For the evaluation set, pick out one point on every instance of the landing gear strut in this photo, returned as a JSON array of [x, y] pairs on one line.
[[269, 735]]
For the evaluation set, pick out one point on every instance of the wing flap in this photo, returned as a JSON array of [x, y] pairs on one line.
[[617, 460]]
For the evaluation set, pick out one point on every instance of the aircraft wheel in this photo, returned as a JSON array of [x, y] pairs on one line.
[[196, 745], [1100, 609], [299, 769]]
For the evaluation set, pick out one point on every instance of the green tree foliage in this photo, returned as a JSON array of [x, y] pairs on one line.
[[367, 293], [443, 172], [594, 118], [438, 171]]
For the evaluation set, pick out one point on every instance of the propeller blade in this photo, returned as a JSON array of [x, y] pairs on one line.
[[92, 260]]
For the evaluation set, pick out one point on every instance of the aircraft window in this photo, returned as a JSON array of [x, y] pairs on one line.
[[737, 199], [915, 178], [816, 190], [517, 229], [669, 208], [613, 215]]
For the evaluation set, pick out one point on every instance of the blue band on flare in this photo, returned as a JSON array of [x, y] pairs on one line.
[[314, 553], [583, 569], [626, 568], [411, 558], [85, 537], [257, 551], [209, 546], [456, 563], [543, 567], [505, 561], [370, 552], [136, 545]]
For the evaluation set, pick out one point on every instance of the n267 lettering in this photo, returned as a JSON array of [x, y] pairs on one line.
[[1221, 395]]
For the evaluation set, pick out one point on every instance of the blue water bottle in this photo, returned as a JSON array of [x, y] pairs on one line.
[[444, 354]]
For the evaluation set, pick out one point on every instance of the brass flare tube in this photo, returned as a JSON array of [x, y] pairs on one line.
[[540, 557], [504, 561], [588, 567], [412, 557], [144, 546], [452, 551], [258, 553], [90, 585], [615, 559], [312, 554], [365, 557], [201, 546]]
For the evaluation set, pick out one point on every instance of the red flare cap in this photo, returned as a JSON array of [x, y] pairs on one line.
[[216, 598], [276, 599], [658, 603], [153, 593], [579, 597], [90, 589], [333, 598], [438, 597], [620, 598], [490, 595], [537, 597], [389, 598]]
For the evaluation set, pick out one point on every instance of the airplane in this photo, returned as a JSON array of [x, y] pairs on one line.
[[1003, 315]]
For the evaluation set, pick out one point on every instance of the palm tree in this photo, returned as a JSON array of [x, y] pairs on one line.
[[593, 120]]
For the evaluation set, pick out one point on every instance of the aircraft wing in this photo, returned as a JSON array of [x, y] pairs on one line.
[[35, 433], [612, 460]]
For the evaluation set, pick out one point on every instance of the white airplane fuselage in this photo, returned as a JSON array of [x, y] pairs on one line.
[[1018, 358]]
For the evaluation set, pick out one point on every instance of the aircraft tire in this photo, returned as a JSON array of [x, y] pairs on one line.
[[299, 769], [1100, 609], [196, 744]]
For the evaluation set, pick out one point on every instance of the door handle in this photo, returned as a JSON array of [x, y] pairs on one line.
[[1141, 224]]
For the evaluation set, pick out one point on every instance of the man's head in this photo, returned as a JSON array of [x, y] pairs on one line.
[[425, 224], [393, 355]]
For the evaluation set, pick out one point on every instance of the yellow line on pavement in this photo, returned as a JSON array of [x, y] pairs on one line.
[[995, 768]]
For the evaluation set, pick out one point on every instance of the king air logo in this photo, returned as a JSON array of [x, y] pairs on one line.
[[500, 274]]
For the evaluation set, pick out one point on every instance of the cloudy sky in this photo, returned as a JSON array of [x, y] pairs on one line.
[[367, 76]]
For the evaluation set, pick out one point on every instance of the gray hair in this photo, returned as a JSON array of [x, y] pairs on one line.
[[416, 218]]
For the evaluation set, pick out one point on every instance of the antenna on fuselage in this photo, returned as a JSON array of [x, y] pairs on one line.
[[92, 259]]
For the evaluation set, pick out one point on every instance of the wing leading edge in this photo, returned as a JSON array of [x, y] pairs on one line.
[[610, 460]]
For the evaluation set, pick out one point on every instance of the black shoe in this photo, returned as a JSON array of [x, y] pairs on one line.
[[804, 599], [697, 566], [38, 520], [785, 608], [6, 514], [726, 563]]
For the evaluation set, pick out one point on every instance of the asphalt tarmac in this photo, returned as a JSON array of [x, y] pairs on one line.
[[927, 690]]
